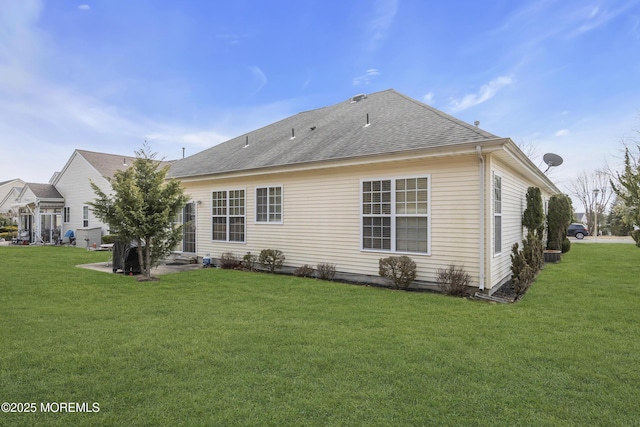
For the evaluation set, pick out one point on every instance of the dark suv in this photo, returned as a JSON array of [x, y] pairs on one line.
[[577, 230]]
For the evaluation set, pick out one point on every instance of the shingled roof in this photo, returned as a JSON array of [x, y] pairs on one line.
[[108, 164], [396, 123], [44, 191]]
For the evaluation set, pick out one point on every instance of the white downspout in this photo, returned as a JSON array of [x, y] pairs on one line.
[[482, 197]]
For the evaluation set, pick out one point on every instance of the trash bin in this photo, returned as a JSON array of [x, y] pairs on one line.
[[125, 257]]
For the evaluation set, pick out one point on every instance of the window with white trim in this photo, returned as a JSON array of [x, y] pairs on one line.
[[85, 216], [269, 204], [395, 215], [66, 214], [228, 216], [497, 214]]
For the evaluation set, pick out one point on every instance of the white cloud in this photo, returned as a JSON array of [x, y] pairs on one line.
[[385, 12], [428, 98], [485, 93], [562, 132], [367, 77], [84, 7]]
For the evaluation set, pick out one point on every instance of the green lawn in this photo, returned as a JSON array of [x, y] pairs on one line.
[[216, 347]]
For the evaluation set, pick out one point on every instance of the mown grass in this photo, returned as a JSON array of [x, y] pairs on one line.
[[218, 347]]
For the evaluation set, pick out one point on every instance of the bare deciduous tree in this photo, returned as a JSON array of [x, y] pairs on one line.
[[594, 190]]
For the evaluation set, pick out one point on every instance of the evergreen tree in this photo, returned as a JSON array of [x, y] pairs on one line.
[[143, 208], [627, 188], [558, 219], [533, 217]]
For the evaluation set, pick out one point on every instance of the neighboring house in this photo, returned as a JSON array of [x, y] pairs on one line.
[[72, 190], [74, 183], [39, 209], [367, 178], [9, 191]]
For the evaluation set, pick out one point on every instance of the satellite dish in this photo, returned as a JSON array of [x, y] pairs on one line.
[[551, 160]]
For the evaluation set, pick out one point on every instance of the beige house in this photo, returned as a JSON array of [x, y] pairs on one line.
[[367, 178]]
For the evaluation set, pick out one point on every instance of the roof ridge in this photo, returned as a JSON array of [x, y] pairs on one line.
[[99, 152], [447, 116]]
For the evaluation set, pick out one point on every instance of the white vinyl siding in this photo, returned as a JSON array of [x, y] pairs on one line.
[[269, 204], [74, 184], [395, 215], [324, 215], [228, 215]]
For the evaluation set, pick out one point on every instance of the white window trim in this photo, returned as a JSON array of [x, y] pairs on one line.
[[393, 215], [494, 214], [85, 208], [181, 222], [66, 215], [255, 204], [228, 190]]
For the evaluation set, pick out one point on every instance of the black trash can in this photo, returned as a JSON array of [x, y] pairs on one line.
[[125, 258]]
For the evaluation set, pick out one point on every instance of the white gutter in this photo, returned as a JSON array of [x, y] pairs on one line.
[[482, 196]]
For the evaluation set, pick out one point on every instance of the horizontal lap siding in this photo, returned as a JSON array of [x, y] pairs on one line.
[[321, 216], [455, 216], [514, 190], [75, 186]]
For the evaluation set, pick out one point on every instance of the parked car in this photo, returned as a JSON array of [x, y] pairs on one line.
[[577, 230]]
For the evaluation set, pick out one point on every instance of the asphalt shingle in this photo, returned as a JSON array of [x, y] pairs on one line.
[[397, 123]]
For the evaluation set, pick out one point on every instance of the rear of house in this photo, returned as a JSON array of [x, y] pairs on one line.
[[367, 178]]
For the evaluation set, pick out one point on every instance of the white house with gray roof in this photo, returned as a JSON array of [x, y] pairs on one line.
[[373, 176], [48, 211], [9, 191], [38, 208], [74, 182]]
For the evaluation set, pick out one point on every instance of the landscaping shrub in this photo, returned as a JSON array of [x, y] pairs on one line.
[[400, 270], [326, 271], [228, 261], [560, 214], [533, 216], [566, 245], [533, 251], [109, 238], [9, 229], [303, 271], [522, 273], [8, 235], [249, 261], [453, 281], [271, 258]]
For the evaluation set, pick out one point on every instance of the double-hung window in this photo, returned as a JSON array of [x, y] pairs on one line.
[[228, 216], [85, 216], [395, 215], [497, 214], [269, 204], [66, 214]]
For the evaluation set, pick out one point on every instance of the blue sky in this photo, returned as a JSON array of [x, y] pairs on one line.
[[562, 76]]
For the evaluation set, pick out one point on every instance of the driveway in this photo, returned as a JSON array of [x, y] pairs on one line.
[[603, 239]]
